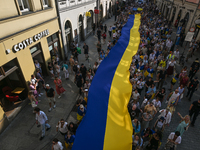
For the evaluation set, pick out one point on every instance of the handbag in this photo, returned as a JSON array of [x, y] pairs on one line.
[[64, 69], [34, 104]]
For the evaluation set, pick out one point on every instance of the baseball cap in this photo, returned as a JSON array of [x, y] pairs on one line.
[[47, 84], [196, 78]]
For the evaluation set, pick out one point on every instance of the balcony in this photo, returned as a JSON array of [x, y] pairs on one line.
[[73, 3]]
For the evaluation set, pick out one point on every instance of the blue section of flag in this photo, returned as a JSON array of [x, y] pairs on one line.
[[90, 133]]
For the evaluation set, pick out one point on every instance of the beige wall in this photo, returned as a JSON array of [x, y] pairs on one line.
[[24, 21], [7, 9], [24, 56]]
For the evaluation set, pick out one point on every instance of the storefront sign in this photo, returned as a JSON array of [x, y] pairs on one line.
[[29, 41]]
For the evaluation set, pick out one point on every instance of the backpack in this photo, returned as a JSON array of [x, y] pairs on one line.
[[75, 68]]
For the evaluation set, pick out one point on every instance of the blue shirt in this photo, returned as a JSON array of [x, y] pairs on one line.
[[80, 112], [70, 140]]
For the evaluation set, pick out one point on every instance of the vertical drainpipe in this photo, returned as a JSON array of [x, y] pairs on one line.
[[64, 47]]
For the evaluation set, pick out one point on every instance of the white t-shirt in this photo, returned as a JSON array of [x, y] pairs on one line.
[[135, 95], [34, 81], [139, 85], [171, 137], [58, 146], [173, 97], [156, 104], [64, 129]]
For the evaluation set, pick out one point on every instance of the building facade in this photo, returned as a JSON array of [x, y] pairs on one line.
[[75, 24], [29, 32], [182, 13]]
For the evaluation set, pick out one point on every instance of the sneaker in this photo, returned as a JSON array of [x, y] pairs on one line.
[[39, 95], [48, 129], [50, 109], [63, 92], [166, 102], [59, 96], [54, 106], [41, 138]]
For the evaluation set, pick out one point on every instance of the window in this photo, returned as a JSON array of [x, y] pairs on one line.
[[23, 5], [45, 3], [35, 48]]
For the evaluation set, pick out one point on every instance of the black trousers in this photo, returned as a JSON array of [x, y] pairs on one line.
[[160, 84], [190, 92], [194, 114], [99, 38], [110, 32], [191, 75]]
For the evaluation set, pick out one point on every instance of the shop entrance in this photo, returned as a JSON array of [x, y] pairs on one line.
[[109, 10], [173, 14], [68, 34], [101, 13], [81, 29], [37, 56], [178, 19], [54, 46], [185, 20], [13, 86], [89, 22]]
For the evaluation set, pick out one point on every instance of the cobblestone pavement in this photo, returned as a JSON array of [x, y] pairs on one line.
[[22, 133]]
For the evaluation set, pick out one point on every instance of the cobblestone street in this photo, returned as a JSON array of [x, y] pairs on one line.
[[23, 134]]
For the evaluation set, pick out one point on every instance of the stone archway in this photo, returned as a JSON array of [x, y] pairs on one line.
[[101, 13], [178, 18], [185, 20], [81, 29], [90, 22], [68, 34], [110, 10], [173, 14]]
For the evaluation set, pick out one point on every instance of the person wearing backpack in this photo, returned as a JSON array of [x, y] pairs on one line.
[[76, 67]]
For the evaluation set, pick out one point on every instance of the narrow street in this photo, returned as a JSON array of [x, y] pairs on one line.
[[23, 134]]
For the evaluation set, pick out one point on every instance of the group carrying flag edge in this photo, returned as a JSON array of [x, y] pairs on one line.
[[107, 124]]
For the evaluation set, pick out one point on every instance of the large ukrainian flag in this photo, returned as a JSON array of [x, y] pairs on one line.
[[107, 124]]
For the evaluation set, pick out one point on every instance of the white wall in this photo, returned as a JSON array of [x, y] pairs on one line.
[[73, 16]]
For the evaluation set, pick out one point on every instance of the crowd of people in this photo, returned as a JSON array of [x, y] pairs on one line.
[[153, 63]]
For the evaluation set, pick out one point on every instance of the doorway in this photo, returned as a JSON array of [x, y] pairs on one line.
[[11, 78], [68, 34], [38, 56], [81, 29]]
